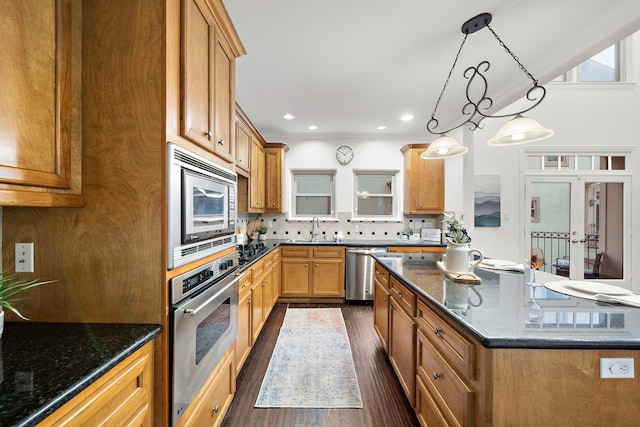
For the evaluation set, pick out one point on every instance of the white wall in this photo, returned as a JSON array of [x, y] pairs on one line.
[[582, 115]]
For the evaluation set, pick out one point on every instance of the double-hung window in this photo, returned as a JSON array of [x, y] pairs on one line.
[[313, 193], [375, 195]]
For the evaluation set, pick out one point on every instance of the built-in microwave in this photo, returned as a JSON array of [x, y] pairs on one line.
[[201, 202]]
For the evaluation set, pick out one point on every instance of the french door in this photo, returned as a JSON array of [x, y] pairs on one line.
[[581, 223]]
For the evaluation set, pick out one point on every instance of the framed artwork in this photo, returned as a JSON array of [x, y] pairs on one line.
[[535, 209], [552, 161], [486, 201]]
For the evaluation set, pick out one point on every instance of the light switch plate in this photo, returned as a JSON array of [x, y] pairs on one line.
[[24, 257]]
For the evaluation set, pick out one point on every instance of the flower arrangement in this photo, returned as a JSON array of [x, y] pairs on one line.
[[10, 288], [456, 233]]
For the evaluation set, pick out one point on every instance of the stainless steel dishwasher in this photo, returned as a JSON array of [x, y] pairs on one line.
[[360, 273]]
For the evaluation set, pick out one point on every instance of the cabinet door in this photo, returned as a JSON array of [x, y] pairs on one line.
[[274, 192], [381, 314], [424, 182], [257, 306], [224, 103], [328, 277], [296, 278], [197, 72], [402, 348], [41, 148], [243, 146], [243, 339], [256, 181]]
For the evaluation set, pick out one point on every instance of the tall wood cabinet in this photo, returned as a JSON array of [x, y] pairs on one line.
[[40, 105], [257, 179], [423, 182], [109, 257], [207, 80]]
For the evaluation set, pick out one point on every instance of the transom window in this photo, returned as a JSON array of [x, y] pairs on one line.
[[604, 67], [375, 194], [572, 162], [313, 193]]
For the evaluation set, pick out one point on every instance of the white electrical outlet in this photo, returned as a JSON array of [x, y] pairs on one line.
[[356, 228], [269, 223], [24, 257], [616, 368]]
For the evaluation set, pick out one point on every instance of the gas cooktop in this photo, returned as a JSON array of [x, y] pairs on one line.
[[248, 253]]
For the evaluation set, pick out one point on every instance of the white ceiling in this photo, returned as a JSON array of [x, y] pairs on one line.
[[348, 66]]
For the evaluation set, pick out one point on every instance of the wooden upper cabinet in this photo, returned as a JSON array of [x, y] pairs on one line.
[[257, 181], [243, 146], [424, 182], [40, 83], [207, 81], [275, 166]]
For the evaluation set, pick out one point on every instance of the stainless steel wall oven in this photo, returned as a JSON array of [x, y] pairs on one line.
[[204, 324], [201, 202]]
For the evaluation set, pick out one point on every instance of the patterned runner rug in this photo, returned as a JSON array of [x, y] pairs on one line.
[[311, 365]]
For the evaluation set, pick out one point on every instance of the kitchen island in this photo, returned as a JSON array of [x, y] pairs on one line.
[[46, 365], [502, 352]]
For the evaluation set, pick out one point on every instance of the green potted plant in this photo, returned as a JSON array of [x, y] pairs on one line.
[[10, 288], [262, 231], [407, 232]]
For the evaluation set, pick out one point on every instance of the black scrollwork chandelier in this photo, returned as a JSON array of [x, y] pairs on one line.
[[518, 130]]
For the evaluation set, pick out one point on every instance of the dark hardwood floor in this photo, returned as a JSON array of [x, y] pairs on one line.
[[384, 403]]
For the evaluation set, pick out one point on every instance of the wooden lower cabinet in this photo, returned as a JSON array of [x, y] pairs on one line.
[[381, 314], [243, 340], [211, 403], [401, 347], [122, 396], [312, 271]]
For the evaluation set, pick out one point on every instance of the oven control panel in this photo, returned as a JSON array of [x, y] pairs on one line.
[[192, 281]]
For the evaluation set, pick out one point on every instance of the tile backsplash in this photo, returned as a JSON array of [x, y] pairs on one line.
[[282, 228]]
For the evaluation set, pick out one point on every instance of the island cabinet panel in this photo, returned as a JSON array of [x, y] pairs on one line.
[[564, 385], [40, 106], [402, 335], [424, 182], [381, 311], [123, 396], [210, 405]]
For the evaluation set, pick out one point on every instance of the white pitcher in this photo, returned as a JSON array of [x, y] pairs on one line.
[[459, 258]]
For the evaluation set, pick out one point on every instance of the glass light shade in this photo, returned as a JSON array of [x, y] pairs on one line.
[[520, 130], [444, 147]]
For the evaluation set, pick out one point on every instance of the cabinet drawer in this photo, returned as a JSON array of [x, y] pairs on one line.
[[257, 271], [328, 251], [459, 351], [381, 276], [453, 398], [244, 285], [403, 295], [295, 252], [427, 411]]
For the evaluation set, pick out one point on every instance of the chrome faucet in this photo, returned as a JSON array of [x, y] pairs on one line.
[[315, 223]]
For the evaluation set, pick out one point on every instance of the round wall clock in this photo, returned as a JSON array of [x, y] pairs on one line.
[[344, 154]]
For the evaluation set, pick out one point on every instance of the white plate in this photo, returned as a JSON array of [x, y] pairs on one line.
[[595, 287], [497, 262]]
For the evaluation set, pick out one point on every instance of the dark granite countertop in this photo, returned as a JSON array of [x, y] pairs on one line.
[[44, 365], [354, 243], [508, 313]]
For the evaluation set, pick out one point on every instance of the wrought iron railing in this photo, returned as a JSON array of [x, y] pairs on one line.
[[555, 245]]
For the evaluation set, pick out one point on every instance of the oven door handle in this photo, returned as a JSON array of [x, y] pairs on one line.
[[194, 311]]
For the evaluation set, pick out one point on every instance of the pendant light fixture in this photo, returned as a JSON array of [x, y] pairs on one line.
[[519, 130]]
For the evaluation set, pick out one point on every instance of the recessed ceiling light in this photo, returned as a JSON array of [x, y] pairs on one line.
[[313, 127], [287, 116], [406, 117], [381, 127]]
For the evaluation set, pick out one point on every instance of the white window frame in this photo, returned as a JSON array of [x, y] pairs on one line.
[[570, 78], [395, 197], [295, 173]]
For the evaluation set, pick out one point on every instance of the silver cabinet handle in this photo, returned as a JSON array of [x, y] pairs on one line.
[[207, 134], [437, 331], [216, 409], [436, 376], [221, 142]]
